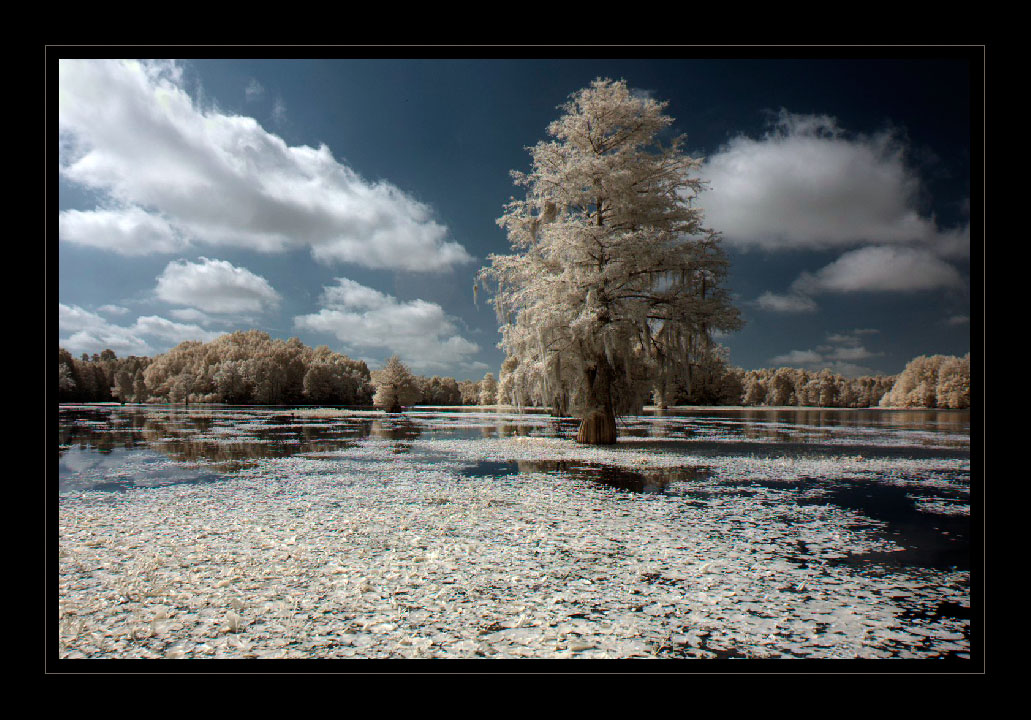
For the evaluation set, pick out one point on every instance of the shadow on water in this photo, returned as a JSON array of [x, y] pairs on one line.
[[653, 482], [930, 540], [933, 541]]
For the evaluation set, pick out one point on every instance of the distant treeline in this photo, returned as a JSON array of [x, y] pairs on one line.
[[241, 368], [936, 381], [252, 368]]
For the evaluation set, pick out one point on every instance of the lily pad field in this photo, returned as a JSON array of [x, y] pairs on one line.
[[328, 533]]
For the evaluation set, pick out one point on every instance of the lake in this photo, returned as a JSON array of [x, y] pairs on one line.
[[250, 532]]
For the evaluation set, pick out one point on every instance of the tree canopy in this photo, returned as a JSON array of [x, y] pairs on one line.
[[395, 386], [614, 283]]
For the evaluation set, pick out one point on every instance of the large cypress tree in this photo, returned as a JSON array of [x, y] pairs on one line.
[[614, 285]]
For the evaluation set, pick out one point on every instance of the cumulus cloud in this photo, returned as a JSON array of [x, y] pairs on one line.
[[193, 315], [364, 318], [113, 309], [202, 176], [877, 268], [806, 184], [127, 231], [809, 185], [86, 332], [172, 333], [83, 331], [881, 268], [215, 286]]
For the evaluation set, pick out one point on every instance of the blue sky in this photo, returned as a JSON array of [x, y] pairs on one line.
[[351, 202]]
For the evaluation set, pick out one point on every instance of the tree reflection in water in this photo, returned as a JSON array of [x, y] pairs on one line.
[[231, 438], [227, 438]]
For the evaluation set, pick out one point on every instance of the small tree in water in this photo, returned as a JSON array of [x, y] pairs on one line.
[[395, 386], [614, 285]]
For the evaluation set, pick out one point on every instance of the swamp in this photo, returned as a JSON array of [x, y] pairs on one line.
[[703, 533]]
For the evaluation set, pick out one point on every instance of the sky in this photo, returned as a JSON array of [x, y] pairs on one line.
[[350, 202]]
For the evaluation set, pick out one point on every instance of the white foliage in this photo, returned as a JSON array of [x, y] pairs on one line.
[[613, 274], [932, 381], [395, 385]]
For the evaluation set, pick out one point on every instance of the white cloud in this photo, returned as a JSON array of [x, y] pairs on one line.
[[806, 185], [791, 303], [113, 309], [127, 231], [880, 269], [798, 357], [87, 332], [215, 286], [839, 357], [953, 243], [172, 332], [850, 354], [851, 337], [364, 318], [193, 315], [218, 179]]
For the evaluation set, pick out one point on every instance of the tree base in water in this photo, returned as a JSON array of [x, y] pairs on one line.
[[597, 428]]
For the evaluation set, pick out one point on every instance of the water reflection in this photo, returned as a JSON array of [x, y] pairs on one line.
[[475, 423], [395, 427], [758, 419], [227, 438]]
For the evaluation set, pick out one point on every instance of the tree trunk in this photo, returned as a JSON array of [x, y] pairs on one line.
[[598, 426]]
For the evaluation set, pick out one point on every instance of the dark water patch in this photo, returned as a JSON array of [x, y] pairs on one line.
[[944, 610], [930, 618], [939, 542], [491, 468], [653, 481], [928, 540]]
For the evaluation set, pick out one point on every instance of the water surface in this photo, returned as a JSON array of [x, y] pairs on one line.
[[870, 501]]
